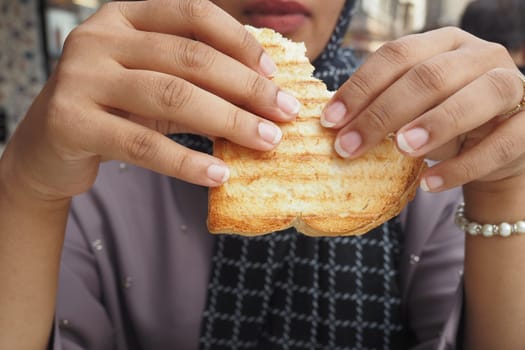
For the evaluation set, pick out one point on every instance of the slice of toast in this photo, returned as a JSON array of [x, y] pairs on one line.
[[303, 182]]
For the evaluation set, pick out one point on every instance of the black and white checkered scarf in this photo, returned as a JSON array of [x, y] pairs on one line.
[[288, 291]]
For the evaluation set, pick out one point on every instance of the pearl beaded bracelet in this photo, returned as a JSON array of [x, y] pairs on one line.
[[503, 229]]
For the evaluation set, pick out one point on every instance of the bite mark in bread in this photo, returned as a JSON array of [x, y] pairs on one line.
[[303, 182]]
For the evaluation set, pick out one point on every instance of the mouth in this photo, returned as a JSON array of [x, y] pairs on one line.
[[282, 16]]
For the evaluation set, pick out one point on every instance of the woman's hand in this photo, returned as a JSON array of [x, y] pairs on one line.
[[136, 71], [440, 92], [130, 74]]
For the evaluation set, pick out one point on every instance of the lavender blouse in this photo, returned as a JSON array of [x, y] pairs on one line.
[[137, 258]]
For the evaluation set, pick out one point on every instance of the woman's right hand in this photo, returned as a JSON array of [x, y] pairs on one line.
[[134, 72]]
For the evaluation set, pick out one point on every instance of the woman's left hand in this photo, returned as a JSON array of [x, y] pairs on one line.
[[441, 92]]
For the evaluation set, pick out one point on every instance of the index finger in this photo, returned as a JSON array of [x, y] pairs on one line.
[[383, 68], [200, 20]]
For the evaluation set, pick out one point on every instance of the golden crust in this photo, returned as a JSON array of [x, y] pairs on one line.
[[303, 183]]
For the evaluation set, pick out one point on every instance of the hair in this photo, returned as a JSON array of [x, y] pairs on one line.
[[500, 21]]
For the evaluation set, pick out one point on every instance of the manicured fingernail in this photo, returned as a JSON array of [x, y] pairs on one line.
[[270, 133], [431, 183], [347, 144], [412, 140], [218, 173], [288, 103], [333, 114], [267, 65]]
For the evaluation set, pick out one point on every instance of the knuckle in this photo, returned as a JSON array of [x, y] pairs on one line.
[[378, 117], [234, 120], [359, 84], [467, 169], [141, 146], [121, 8], [248, 42], [452, 29], [182, 163], [195, 9], [111, 7], [502, 85], [505, 150], [110, 10], [256, 85], [83, 35], [453, 32], [454, 112], [76, 37], [195, 56], [458, 36], [497, 49], [429, 76], [173, 93], [397, 52]]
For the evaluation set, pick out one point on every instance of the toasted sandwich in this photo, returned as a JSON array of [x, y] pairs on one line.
[[303, 182]]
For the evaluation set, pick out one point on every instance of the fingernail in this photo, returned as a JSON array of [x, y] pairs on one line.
[[412, 140], [218, 173], [431, 183], [267, 65], [347, 144], [288, 103], [333, 114], [270, 133]]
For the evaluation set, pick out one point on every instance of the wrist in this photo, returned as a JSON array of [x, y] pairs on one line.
[[495, 201], [18, 192]]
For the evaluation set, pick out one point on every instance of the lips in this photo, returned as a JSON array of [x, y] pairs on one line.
[[283, 16]]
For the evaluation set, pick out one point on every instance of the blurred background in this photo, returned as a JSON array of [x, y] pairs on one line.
[[32, 33], [377, 21]]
